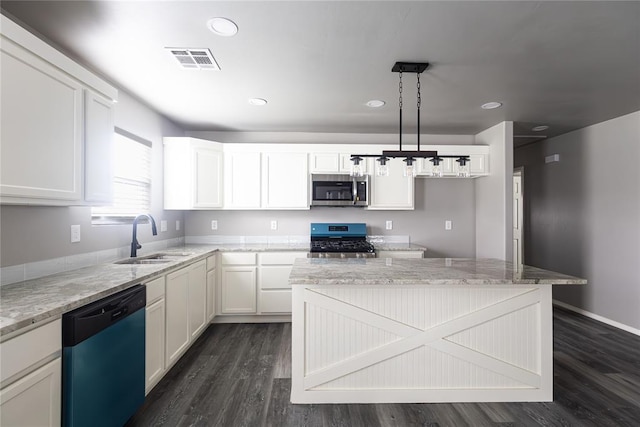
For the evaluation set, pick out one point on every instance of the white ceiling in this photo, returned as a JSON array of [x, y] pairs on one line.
[[562, 64]]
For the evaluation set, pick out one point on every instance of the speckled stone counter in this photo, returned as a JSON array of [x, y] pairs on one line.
[[426, 271], [33, 301], [425, 330]]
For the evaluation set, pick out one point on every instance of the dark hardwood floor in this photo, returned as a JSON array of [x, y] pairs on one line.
[[239, 375]]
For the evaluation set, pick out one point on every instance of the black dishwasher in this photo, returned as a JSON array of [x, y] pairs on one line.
[[103, 360]]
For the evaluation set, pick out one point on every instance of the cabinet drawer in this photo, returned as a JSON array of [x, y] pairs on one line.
[[155, 290], [239, 258], [274, 277], [280, 258], [275, 301], [211, 262], [25, 350]]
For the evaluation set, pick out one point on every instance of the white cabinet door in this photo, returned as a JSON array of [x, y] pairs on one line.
[[211, 294], [238, 290], [192, 174], [346, 163], [98, 149], [324, 162], [177, 306], [394, 191], [285, 181], [207, 178], [154, 341], [242, 175], [41, 132], [34, 400], [197, 298]]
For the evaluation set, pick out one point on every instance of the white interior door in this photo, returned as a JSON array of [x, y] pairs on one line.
[[517, 218]]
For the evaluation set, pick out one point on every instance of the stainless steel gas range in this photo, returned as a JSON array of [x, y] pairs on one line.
[[340, 240]]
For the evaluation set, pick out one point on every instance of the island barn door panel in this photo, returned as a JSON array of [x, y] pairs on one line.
[[421, 344]]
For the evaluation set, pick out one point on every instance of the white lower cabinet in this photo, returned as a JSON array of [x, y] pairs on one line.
[[186, 308], [177, 321], [274, 290], [238, 283], [34, 400], [212, 280], [197, 299], [31, 371], [155, 333]]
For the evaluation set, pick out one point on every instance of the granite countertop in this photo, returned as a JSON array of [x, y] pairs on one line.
[[32, 301], [426, 271]]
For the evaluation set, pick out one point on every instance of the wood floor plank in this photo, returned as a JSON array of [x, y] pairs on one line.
[[239, 375]]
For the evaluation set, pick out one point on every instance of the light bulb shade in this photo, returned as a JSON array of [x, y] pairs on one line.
[[356, 166], [382, 167], [436, 171], [410, 169], [463, 169], [383, 170]]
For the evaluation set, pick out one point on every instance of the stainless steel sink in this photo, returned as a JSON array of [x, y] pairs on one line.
[[159, 258], [143, 261]]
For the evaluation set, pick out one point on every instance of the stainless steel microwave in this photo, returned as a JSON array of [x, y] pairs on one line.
[[339, 190]]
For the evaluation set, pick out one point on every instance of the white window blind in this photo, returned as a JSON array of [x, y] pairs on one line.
[[132, 179]]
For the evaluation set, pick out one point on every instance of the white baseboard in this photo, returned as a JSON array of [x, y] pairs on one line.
[[598, 318]]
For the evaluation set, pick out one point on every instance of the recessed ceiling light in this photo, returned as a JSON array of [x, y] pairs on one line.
[[222, 26], [375, 103], [491, 105], [257, 101], [540, 128]]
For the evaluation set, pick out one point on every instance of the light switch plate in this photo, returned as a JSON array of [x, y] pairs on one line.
[[214, 224], [447, 225], [75, 233], [163, 225]]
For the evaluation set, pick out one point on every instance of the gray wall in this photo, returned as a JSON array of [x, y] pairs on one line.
[[436, 200], [33, 233], [494, 198], [582, 215]]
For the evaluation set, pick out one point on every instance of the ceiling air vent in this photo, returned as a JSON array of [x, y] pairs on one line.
[[194, 59]]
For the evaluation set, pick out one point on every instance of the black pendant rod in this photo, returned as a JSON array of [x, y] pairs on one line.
[[400, 109], [419, 104]]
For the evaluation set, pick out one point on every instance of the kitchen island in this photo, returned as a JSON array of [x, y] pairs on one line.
[[421, 330]]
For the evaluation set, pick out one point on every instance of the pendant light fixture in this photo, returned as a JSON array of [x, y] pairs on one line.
[[410, 157]]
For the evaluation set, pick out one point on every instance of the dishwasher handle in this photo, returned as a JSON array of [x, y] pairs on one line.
[[83, 323]]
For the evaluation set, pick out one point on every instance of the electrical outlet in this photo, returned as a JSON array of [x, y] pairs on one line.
[[274, 224], [163, 225], [389, 225], [214, 224], [447, 225], [75, 233], [177, 225]]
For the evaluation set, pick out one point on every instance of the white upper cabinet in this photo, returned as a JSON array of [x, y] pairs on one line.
[[285, 181], [192, 174], [333, 163], [47, 125], [393, 192], [324, 162], [98, 146], [41, 128], [242, 180]]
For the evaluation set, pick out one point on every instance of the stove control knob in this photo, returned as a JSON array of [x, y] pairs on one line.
[[343, 255]]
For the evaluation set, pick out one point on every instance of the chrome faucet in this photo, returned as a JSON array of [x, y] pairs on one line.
[[134, 242]]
